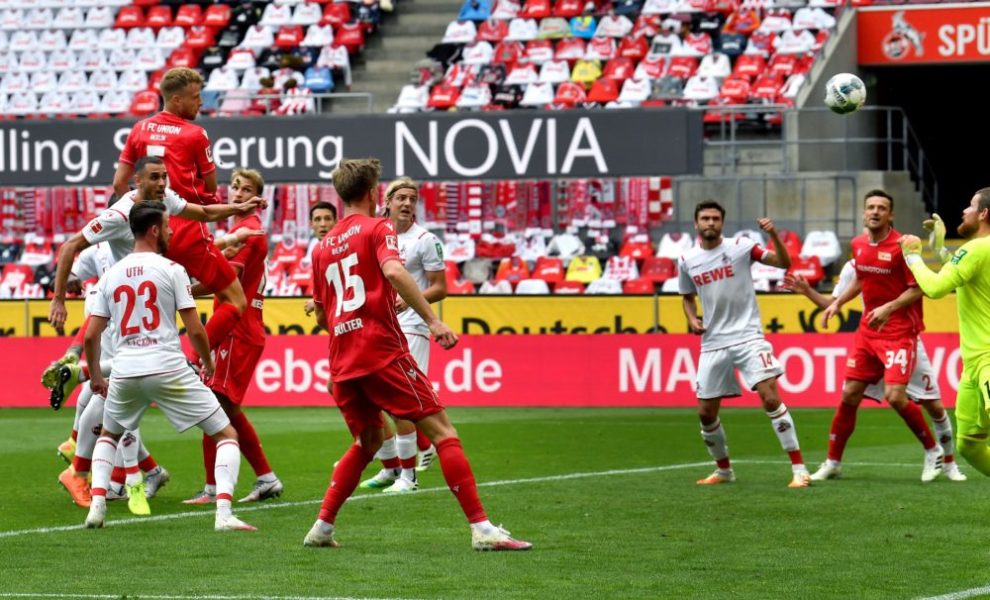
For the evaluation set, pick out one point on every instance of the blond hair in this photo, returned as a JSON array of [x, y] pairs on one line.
[[176, 80], [251, 175], [402, 183], [353, 178]]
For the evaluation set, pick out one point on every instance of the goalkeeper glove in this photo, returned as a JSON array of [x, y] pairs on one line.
[[936, 236]]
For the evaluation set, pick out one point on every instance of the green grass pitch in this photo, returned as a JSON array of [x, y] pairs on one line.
[[607, 496]]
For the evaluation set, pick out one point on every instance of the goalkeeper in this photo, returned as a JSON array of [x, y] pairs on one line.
[[968, 272]]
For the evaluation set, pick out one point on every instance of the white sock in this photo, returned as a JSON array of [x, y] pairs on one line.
[[142, 451], [783, 426], [89, 427], [408, 475], [405, 446], [484, 527], [387, 450], [225, 470], [714, 438], [267, 477], [81, 402], [943, 433], [128, 453], [106, 447]]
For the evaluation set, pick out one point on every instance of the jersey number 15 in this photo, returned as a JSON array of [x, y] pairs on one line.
[[339, 274]]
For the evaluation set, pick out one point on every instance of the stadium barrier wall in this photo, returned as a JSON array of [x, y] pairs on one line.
[[509, 145], [484, 315], [528, 370]]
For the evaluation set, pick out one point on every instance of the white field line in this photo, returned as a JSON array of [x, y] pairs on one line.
[[363, 497], [962, 595], [41, 596]]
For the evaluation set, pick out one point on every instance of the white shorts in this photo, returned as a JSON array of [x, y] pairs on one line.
[[185, 400], [716, 369], [419, 347], [923, 386]]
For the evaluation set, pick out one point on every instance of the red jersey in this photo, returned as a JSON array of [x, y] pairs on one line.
[[359, 302], [183, 145], [252, 259], [884, 275]]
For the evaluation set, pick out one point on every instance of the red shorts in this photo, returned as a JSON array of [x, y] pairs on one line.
[[192, 247], [400, 389], [874, 358], [235, 361]]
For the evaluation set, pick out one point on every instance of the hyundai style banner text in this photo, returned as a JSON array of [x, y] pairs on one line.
[[507, 145]]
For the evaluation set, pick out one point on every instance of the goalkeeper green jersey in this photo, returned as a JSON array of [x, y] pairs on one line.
[[968, 272]]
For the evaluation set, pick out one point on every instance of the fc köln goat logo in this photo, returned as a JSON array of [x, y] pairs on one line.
[[902, 39]]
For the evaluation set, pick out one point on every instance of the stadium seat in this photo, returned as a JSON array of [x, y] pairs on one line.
[[659, 269], [14, 275], [568, 287], [808, 267], [513, 270], [502, 287], [144, 103], [460, 287], [129, 16], [638, 286], [822, 244], [532, 287], [159, 16], [604, 286]]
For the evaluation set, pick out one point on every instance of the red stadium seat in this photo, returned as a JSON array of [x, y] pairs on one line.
[[443, 97], [350, 36], [791, 239], [535, 9], [200, 36], [15, 275], [638, 286], [289, 36], [513, 270], [658, 269], [570, 93], [192, 14], [129, 17], [336, 14], [460, 288], [683, 66], [549, 269], [750, 66], [217, 15], [568, 287], [568, 8], [808, 267], [144, 103], [183, 57], [158, 17]]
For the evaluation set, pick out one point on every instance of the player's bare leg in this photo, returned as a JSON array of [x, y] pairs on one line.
[[405, 446], [389, 455], [843, 425], [783, 426], [343, 482], [942, 425], [713, 435], [896, 396]]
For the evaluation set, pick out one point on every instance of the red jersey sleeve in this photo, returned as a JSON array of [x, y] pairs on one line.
[[203, 153], [386, 242], [131, 153], [319, 280]]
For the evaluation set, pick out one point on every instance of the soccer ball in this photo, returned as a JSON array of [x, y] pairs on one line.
[[845, 93]]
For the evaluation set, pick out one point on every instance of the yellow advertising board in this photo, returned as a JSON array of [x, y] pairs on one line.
[[480, 315]]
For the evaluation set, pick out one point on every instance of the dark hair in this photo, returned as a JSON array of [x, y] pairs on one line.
[[708, 205], [145, 215], [984, 202], [323, 206], [145, 161], [880, 194]]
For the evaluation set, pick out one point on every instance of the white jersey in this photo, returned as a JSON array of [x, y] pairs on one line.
[[723, 280], [142, 293], [421, 251], [94, 262], [112, 226], [846, 277]]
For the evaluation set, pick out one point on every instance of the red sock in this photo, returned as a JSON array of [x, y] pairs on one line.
[[457, 472], [75, 435], [250, 444], [422, 442], [81, 465], [81, 334], [344, 480], [148, 464], [392, 463], [222, 322], [209, 458], [916, 422], [795, 456], [408, 463], [843, 425], [118, 475]]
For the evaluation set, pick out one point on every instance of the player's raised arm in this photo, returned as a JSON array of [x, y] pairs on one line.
[[219, 212], [954, 274], [778, 257], [403, 283]]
